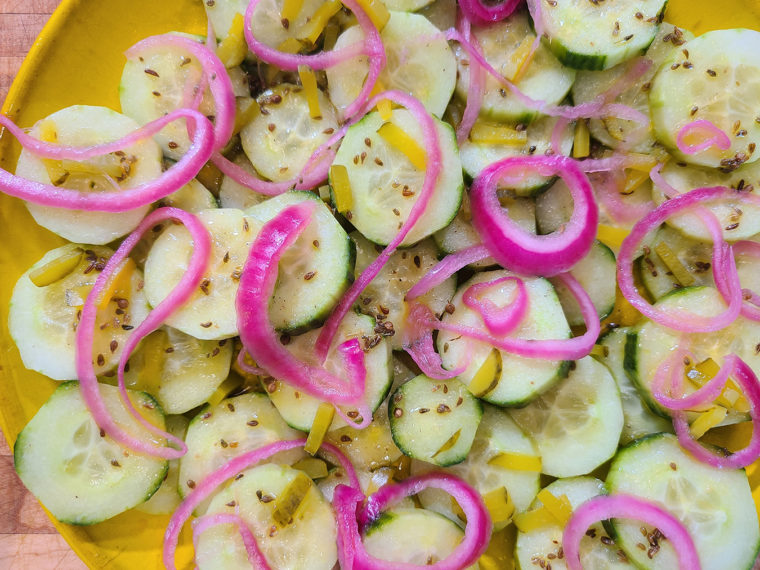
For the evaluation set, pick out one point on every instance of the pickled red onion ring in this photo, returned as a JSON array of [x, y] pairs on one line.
[[605, 507], [445, 268], [255, 556], [475, 88], [670, 375], [716, 137], [498, 320], [88, 382], [418, 342], [479, 13]]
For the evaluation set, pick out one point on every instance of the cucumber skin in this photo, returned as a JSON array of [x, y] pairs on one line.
[[563, 370]]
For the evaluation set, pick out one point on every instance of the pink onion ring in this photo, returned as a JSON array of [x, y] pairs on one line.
[[498, 320], [117, 200], [88, 382], [622, 212], [475, 88], [418, 342], [353, 555], [211, 482], [717, 137], [670, 374], [255, 556], [479, 13], [627, 507], [516, 249], [445, 268]]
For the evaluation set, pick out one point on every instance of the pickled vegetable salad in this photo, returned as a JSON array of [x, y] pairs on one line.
[[455, 247]]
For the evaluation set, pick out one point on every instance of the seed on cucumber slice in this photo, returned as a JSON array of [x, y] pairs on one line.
[[599, 35], [714, 77], [79, 475], [577, 424], [506, 46], [210, 313], [412, 536], [306, 542], [280, 140], [497, 433], [81, 126], [419, 61], [385, 184], [179, 370], [517, 380], [383, 298], [315, 270], [299, 409], [542, 547], [739, 220], [715, 505], [43, 318], [236, 425], [476, 156]]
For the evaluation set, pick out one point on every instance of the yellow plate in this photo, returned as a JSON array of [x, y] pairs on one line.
[[78, 60]]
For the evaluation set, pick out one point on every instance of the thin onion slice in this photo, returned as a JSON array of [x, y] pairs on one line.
[[710, 133], [476, 87], [527, 253], [445, 268], [605, 507], [418, 342], [498, 320], [479, 13], [669, 375], [351, 514], [211, 483], [88, 382], [608, 185], [255, 556]]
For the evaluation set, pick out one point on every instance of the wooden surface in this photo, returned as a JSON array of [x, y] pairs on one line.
[[28, 539]]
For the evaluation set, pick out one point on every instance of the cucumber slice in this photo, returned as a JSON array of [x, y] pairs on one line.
[[497, 433], [299, 409], [315, 270], [434, 420], [221, 13], [80, 476], [412, 536], [577, 424], [267, 25], [596, 273], [307, 542], [192, 197], [280, 140], [386, 182], [542, 547], [81, 126], [383, 298], [476, 156], [649, 344], [210, 313], [179, 370], [234, 195], [599, 35], [620, 133], [166, 500], [419, 61], [638, 418], [518, 380], [503, 44], [739, 220], [42, 320], [715, 77], [715, 505], [236, 425]]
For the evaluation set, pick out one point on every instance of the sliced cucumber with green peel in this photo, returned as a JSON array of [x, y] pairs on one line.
[[385, 184], [259, 496], [412, 536], [649, 344], [714, 77], [542, 547], [419, 62], [43, 318], [210, 313], [596, 273], [739, 219], [280, 140], [236, 425], [82, 126], [299, 409], [715, 505], [179, 370], [599, 35], [434, 420], [497, 433], [476, 156], [80, 476], [638, 418], [383, 298], [505, 45], [518, 380], [315, 270], [576, 426]]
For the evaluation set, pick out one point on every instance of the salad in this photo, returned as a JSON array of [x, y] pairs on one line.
[[405, 284]]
